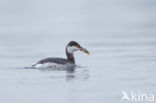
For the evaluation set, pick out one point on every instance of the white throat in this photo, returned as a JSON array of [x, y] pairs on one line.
[[71, 49]]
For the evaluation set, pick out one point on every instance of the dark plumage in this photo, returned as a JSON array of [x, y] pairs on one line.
[[55, 60], [70, 48]]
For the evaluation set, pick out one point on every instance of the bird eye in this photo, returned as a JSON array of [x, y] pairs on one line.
[[77, 46]]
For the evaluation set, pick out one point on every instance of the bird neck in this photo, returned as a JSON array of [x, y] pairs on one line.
[[70, 56]]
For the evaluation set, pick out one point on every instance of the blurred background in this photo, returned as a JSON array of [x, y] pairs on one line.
[[120, 35], [31, 27]]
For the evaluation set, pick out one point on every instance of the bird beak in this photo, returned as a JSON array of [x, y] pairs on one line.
[[84, 50]]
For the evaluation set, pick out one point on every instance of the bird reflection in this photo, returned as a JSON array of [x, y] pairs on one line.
[[70, 74], [74, 73], [79, 74]]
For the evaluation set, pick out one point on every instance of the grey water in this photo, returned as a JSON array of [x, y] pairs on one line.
[[120, 35]]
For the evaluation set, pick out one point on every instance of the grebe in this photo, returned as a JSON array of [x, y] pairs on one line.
[[61, 62]]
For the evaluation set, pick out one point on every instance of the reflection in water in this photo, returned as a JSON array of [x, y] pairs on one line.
[[79, 74], [70, 75], [74, 73]]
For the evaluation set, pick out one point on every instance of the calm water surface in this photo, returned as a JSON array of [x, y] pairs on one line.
[[121, 38]]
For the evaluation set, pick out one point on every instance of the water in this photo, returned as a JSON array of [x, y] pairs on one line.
[[120, 35]]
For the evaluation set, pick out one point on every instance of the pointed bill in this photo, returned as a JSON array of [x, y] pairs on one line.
[[85, 50]]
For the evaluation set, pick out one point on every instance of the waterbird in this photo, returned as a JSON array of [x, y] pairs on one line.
[[55, 62]]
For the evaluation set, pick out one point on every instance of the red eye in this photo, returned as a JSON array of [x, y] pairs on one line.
[[77, 46]]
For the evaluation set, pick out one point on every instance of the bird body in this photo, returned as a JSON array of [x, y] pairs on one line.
[[55, 62]]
